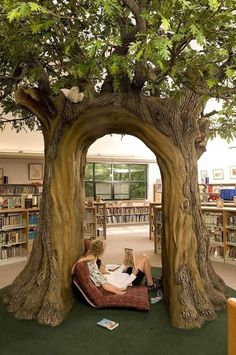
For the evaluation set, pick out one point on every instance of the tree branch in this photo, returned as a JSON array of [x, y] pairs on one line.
[[136, 11], [10, 120], [221, 74], [209, 114], [141, 26]]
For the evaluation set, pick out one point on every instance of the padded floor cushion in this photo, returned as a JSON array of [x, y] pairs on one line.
[[135, 296]]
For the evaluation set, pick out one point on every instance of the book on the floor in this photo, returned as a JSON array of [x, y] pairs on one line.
[[108, 324], [129, 257]]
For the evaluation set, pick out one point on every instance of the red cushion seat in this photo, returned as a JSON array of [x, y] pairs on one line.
[[135, 297]]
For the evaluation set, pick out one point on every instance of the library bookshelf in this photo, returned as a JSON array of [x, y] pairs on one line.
[[129, 212], [16, 195], [13, 233], [208, 192], [221, 224], [90, 223], [101, 224], [19, 189], [152, 218]]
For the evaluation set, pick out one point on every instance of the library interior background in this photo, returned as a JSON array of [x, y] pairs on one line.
[[123, 188], [122, 174]]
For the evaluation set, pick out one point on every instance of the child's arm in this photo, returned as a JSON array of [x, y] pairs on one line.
[[86, 258], [82, 258], [103, 270]]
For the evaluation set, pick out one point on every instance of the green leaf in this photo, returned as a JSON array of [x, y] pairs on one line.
[[214, 4], [13, 15], [230, 72], [211, 83], [36, 7], [165, 24]]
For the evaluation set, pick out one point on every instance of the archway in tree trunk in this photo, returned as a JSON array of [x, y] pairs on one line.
[[192, 291]]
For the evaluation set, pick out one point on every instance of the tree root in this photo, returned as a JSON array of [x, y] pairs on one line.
[[198, 304]]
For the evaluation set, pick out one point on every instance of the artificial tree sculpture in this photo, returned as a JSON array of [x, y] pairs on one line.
[[146, 68]]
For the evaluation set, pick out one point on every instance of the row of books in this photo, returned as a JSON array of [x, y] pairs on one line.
[[10, 220], [12, 237], [33, 218], [18, 190], [89, 215], [216, 238], [232, 221], [231, 237], [231, 253], [12, 251], [127, 210], [32, 234], [217, 250], [213, 219], [127, 218]]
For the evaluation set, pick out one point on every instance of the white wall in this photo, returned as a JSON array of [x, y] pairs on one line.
[[113, 148], [17, 170], [219, 156], [10, 141], [117, 146]]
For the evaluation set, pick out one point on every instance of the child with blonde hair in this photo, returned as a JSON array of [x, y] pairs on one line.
[[116, 281]]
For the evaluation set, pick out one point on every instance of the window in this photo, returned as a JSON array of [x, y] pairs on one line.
[[116, 181]]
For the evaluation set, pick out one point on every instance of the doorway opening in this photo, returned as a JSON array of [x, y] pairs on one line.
[[120, 173]]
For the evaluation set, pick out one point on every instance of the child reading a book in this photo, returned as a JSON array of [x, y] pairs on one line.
[[94, 252], [118, 280]]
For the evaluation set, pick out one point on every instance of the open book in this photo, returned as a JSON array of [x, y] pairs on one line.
[[129, 257]]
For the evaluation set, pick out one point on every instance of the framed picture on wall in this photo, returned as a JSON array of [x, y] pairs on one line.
[[35, 171], [232, 172], [218, 174]]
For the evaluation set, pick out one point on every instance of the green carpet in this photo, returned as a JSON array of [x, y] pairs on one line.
[[139, 333]]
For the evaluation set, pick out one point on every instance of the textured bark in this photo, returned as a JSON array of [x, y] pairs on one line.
[[170, 128]]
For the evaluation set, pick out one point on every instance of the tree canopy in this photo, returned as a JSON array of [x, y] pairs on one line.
[[156, 47]]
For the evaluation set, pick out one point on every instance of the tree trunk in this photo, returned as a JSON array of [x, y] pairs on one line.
[[192, 290]]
